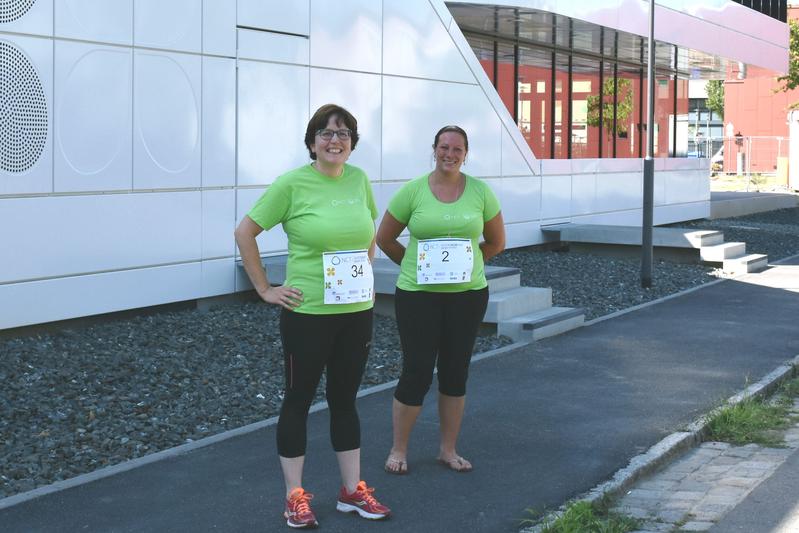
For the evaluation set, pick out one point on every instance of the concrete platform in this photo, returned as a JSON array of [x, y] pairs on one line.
[[735, 204]]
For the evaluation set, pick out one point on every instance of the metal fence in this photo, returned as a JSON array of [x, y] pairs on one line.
[[744, 155]]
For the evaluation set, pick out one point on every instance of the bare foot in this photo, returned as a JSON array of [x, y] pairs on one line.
[[396, 464], [456, 463]]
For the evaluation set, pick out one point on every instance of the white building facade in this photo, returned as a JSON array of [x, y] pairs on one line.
[[136, 133]]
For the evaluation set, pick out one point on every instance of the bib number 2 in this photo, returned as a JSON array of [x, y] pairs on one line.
[[444, 261]]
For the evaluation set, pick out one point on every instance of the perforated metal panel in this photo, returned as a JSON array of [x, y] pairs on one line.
[[23, 111], [11, 10]]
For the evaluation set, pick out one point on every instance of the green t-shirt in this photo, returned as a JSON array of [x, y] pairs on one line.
[[429, 218], [319, 214]]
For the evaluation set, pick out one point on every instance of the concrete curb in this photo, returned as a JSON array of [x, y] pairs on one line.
[[113, 470], [681, 441]]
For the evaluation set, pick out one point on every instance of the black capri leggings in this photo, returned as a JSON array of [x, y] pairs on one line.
[[436, 325], [312, 343]]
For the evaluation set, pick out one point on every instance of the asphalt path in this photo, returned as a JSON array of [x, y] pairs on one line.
[[544, 423]]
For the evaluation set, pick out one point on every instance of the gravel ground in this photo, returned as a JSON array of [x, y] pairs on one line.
[[80, 398]]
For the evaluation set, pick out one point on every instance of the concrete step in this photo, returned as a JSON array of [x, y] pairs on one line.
[[502, 278], [503, 305], [745, 264], [541, 324], [701, 238], [719, 252]]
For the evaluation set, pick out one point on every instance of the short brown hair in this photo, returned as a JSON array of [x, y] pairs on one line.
[[454, 129], [320, 119]]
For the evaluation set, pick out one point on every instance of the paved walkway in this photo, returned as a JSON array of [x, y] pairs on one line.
[[544, 423]]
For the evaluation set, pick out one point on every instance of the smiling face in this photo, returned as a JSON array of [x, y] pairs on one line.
[[450, 152], [334, 153]]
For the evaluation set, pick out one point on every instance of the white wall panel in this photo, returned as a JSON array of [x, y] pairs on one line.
[[407, 143], [275, 15], [219, 27], [622, 164], [556, 192], [685, 186], [347, 35], [584, 193], [513, 162], [166, 109], [218, 223], [27, 164], [90, 233], [629, 217], [173, 25], [681, 163], [384, 192], [28, 17], [218, 277], [361, 95], [416, 43], [670, 214], [273, 47], [108, 21], [618, 191], [219, 122], [269, 242], [523, 234], [559, 167], [93, 117], [22, 304], [273, 115], [520, 198], [659, 192]]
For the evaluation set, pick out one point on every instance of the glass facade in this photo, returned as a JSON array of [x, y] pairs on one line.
[[777, 9], [577, 90]]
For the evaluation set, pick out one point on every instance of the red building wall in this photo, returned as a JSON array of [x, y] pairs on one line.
[[755, 110]]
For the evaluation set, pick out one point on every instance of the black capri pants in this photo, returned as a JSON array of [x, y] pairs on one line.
[[436, 330], [312, 343]]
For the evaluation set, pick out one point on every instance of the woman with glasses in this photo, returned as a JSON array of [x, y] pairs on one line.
[[327, 211], [442, 292]]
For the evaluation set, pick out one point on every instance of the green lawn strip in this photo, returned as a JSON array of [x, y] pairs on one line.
[[754, 420], [586, 517]]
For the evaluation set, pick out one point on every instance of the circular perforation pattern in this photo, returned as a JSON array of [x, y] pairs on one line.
[[11, 10], [23, 111]]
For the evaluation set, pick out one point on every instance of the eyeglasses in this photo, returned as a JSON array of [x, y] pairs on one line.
[[343, 134]]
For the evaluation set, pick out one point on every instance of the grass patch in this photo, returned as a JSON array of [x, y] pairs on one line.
[[754, 420], [585, 517], [752, 182], [790, 389]]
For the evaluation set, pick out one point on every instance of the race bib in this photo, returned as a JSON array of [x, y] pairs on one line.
[[348, 277], [444, 261]]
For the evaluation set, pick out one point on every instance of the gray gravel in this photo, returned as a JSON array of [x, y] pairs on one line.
[[602, 285], [82, 397]]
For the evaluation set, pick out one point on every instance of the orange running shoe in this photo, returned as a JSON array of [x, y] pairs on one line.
[[298, 512], [362, 502]]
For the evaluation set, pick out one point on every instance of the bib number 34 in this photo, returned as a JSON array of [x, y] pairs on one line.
[[348, 277]]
